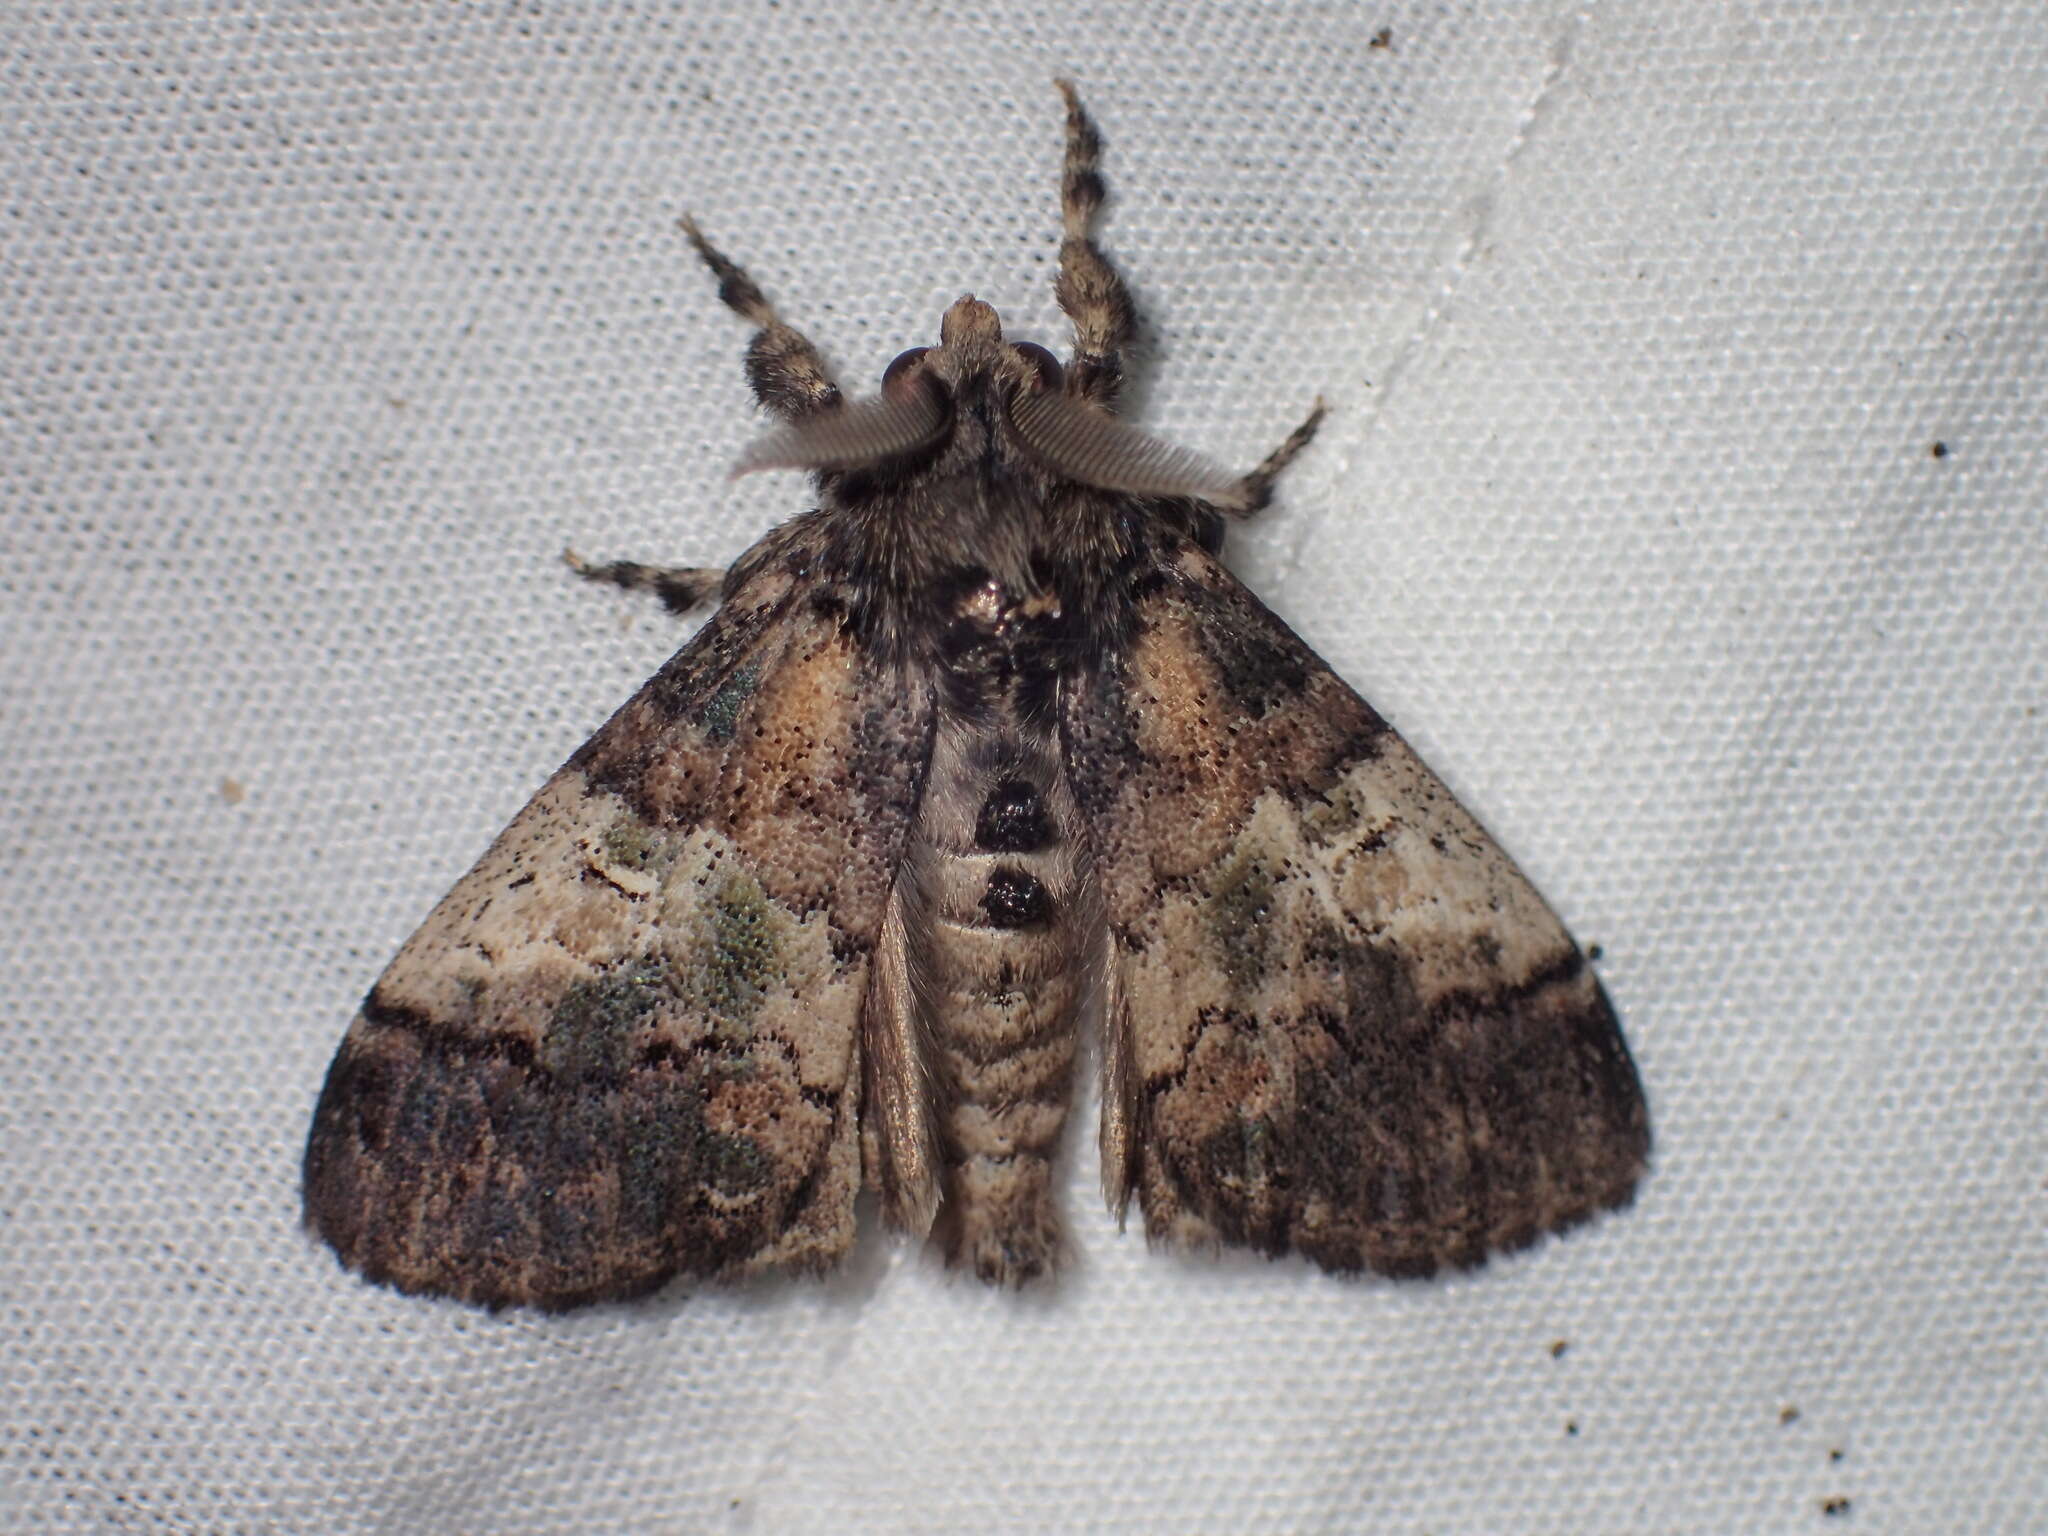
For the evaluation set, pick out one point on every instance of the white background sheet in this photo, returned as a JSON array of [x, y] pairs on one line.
[[326, 329]]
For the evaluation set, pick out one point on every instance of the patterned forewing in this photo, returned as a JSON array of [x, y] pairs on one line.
[[1340, 1021], [625, 1045]]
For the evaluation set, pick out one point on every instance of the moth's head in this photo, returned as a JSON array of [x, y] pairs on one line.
[[972, 372], [978, 398]]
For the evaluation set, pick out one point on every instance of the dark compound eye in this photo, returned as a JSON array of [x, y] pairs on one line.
[[1044, 366], [898, 377]]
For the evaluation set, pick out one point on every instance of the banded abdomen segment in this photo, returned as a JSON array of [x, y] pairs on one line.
[[998, 964]]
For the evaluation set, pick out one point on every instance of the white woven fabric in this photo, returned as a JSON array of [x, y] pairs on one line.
[[326, 329]]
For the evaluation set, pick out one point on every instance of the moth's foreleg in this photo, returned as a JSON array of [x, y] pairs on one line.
[[784, 369], [1258, 485], [680, 588], [1089, 289]]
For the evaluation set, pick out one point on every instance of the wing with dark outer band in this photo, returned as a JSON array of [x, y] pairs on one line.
[[1339, 1020], [626, 1044]]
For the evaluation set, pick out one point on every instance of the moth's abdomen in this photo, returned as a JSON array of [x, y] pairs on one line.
[[1000, 960]]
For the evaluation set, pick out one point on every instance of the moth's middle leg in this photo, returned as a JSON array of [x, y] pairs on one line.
[[1089, 288], [680, 587], [787, 375]]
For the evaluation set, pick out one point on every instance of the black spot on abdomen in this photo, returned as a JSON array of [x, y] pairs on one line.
[[1012, 819], [1015, 899]]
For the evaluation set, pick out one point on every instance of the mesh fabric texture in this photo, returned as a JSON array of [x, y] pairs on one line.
[[326, 330]]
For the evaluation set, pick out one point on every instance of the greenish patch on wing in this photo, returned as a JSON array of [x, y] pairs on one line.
[[631, 844], [1333, 813], [592, 1033], [1239, 910], [733, 1165], [653, 1148], [733, 960], [1239, 1152], [668, 1158], [720, 715]]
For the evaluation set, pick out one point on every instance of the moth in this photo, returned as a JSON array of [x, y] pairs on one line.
[[984, 750]]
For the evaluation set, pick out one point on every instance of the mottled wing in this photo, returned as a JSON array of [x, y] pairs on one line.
[[1338, 1019], [626, 1045]]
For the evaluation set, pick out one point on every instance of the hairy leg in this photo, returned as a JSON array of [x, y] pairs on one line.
[[680, 588], [1089, 289], [1258, 485], [786, 373]]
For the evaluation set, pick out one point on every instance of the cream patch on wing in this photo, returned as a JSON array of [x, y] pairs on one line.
[[565, 890], [578, 884], [1409, 867], [749, 968]]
